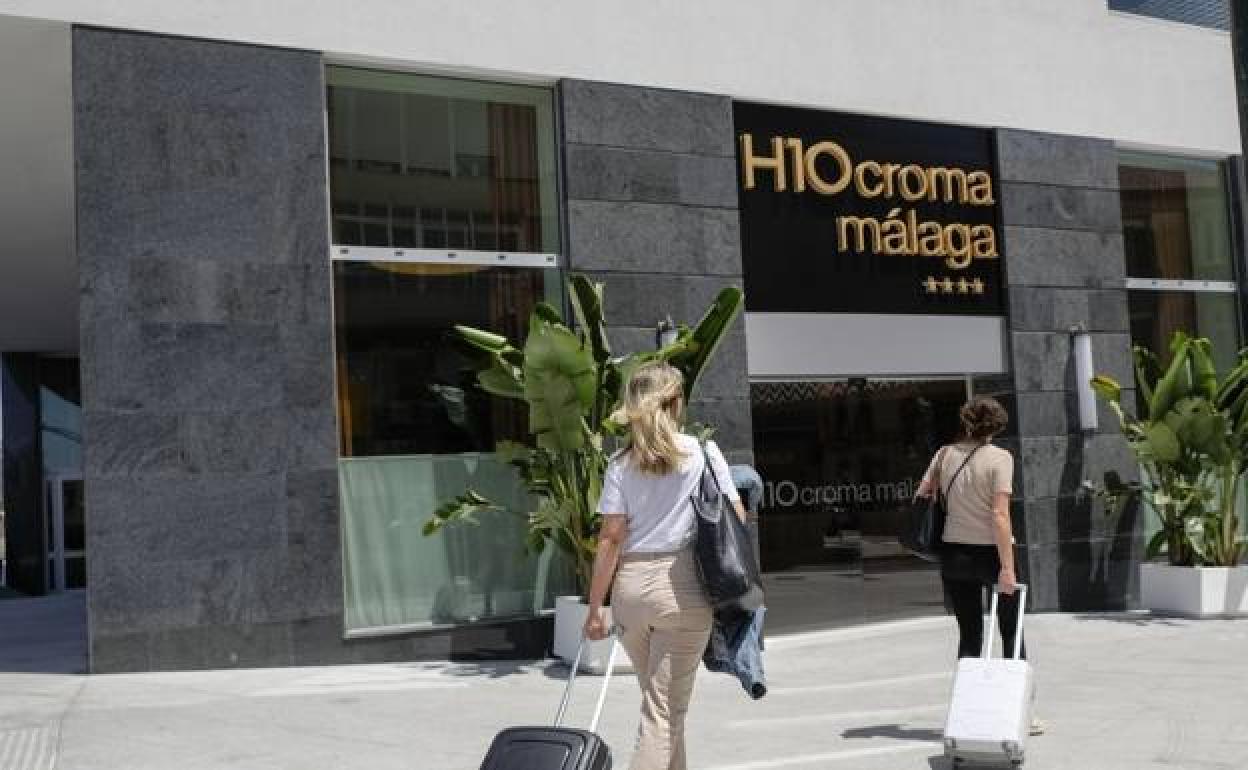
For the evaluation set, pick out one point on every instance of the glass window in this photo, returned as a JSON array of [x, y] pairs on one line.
[[436, 163], [1180, 264], [841, 462], [1175, 221], [403, 387], [1157, 315]]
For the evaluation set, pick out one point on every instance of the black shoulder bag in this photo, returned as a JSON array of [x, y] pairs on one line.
[[722, 549], [924, 532]]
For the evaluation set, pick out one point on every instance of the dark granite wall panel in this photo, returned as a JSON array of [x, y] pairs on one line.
[[652, 213], [1066, 268], [211, 444]]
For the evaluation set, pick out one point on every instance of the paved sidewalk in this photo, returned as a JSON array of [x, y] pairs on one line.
[[1119, 693]]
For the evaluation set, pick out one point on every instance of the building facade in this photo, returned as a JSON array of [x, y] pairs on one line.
[[229, 403]]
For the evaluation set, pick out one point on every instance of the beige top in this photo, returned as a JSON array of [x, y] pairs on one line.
[[969, 500]]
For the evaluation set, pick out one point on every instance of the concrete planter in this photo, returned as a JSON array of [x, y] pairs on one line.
[[1195, 592], [570, 615]]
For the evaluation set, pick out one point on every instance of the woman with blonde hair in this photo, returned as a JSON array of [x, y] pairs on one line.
[[645, 555]]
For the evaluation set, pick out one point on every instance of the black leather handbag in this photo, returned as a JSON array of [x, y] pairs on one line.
[[924, 533], [722, 549]]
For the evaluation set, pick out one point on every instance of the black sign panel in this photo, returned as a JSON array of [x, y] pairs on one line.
[[855, 214]]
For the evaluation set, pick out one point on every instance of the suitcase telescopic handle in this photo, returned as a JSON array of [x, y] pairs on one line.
[[986, 651], [606, 680]]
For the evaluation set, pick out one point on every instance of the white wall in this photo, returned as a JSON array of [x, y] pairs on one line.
[[1065, 66]]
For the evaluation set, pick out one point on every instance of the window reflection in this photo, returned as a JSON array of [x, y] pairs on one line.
[[1175, 218], [403, 387], [420, 162], [841, 461]]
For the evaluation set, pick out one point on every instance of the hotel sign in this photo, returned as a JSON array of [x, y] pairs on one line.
[[856, 214]]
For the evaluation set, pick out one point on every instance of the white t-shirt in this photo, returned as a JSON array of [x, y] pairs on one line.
[[660, 513]]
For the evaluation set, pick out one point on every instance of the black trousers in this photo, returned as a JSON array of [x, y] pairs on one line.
[[968, 572]]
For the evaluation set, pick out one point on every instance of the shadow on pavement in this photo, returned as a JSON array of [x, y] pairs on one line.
[[489, 669], [939, 762], [896, 732], [1138, 619]]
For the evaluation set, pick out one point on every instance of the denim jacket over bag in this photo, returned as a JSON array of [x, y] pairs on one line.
[[735, 647]]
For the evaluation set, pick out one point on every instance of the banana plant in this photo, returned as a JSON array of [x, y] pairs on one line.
[[571, 382], [1190, 441]]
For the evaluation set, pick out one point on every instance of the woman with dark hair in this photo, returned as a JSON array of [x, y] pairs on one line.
[[977, 481]]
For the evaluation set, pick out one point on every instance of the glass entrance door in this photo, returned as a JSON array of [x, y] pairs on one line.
[[841, 461], [67, 554]]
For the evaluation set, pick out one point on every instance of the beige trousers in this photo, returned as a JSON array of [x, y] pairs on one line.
[[664, 622]]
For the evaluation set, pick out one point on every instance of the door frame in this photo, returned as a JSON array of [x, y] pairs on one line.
[[54, 489]]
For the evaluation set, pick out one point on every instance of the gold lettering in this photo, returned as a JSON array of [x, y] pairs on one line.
[[860, 179], [894, 231], [953, 182], [751, 163], [981, 188], [912, 232], [890, 173], [861, 227], [799, 173], [931, 240], [984, 242], [913, 183], [957, 242], [846, 168]]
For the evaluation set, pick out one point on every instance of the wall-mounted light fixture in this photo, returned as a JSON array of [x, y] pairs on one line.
[[665, 333], [1081, 345]]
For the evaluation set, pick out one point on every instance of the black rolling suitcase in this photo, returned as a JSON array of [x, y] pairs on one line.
[[555, 748]]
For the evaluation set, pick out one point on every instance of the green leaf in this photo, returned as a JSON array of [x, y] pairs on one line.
[[1204, 373], [1107, 388], [461, 509], [548, 313], [1147, 370], [480, 339], [1176, 383], [1233, 386], [587, 304], [1156, 545], [559, 384], [693, 350], [502, 379], [1163, 443]]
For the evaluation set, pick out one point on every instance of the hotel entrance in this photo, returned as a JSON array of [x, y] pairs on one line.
[[841, 460]]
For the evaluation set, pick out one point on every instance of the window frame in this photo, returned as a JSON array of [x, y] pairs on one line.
[[354, 75], [1131, 156]]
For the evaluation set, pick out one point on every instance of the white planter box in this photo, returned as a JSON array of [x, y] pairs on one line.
[[570, 615], [1195, 592]]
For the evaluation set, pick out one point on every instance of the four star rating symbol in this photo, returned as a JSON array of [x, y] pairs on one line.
[[948, 285]]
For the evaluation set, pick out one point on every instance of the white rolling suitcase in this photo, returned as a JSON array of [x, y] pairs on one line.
[[990, 710]]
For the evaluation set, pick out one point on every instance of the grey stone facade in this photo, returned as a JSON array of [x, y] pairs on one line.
[[1065, 268], [211, 444], [651, 193], [207, 364]]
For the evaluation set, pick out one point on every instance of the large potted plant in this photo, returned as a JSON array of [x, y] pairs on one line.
[[1191, 441], [571, 382]]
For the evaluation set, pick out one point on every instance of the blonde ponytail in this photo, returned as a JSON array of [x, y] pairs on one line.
[[653, 409]]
